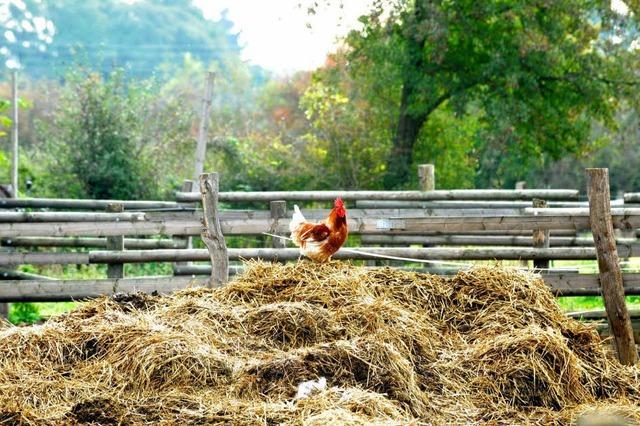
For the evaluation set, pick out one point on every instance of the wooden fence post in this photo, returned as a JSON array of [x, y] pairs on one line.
[[278, 211], [426, 176], [203, 130], [609, 268], [521, 184], [540, 237], [14, 134], [187, 186], [115, 270], [212, 233]]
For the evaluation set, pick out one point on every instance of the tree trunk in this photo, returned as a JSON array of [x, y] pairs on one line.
[[410, 121], [407, 132]]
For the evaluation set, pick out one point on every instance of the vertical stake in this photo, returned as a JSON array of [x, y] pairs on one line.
[[212, 232], [203, 130], [278, 211], [115, 270], [540, 237], [426, 176], [14, 135], [609, 268]]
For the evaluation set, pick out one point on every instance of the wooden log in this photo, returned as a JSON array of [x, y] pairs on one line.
[[632, 197], [610, 273], [12, 274], [427, 177], [131, 243], [61, 203], [360, 222], [115, 270], [576, 219], [440, 253], [455, 194], [427, 269], [64, 290], [482, 240], [599, 314], [212, 234], [17, 217], [485, 205], [278, 211], [540, 237]]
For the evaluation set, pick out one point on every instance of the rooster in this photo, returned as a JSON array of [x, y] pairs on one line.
[[319, 241]]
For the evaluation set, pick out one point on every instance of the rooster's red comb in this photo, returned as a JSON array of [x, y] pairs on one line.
[[338, 202]]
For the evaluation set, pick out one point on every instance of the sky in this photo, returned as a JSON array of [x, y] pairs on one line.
[[275, 34]]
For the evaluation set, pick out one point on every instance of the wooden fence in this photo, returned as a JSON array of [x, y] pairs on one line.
[[451, 225], [539, 225]]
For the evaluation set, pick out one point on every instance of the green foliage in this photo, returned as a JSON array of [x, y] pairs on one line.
[[535, 75], [95, 143], [448, 141], [24, 313], [347, 138]]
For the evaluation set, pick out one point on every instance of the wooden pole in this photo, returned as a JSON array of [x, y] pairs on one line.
[[4, 307], [14, 135], [181, 255], [609, 268], [115, 270], [450, 194], [203, 130], [278, 211], [426, 176], [521, 184], [212, 233], [184, 240], [540, 237]]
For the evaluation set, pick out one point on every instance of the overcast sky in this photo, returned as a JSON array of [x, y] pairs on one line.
[[275, 33]]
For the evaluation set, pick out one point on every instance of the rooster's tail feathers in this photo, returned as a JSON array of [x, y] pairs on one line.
[[297, 218]]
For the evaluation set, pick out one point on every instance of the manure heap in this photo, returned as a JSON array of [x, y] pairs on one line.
[[489, 345]]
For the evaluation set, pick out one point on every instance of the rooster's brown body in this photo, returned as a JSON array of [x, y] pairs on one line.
[[319, 241]]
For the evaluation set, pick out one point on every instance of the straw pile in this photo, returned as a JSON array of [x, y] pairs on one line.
[[489, 345]]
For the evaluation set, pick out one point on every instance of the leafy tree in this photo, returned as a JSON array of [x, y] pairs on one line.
[[535, 73], [94, 144], [348, 137]]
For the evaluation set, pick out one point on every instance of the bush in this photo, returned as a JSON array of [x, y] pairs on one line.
[[94, 144]]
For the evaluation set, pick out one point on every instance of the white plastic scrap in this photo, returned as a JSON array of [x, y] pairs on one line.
[[307, 388]]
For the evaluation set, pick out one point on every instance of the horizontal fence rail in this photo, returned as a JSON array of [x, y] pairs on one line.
[[473, 204], [632, 197], [562, 284], [69, 217], [62, 203], [486, 240], [360, 222], [455, 194], [371, 253], [79, 242]]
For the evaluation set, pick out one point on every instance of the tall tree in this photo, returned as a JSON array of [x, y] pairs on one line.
[[538, 73]]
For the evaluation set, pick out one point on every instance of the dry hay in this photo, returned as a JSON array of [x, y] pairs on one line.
[[489, 345]]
